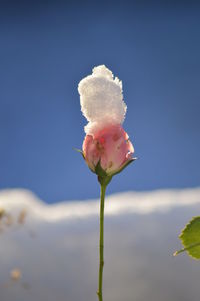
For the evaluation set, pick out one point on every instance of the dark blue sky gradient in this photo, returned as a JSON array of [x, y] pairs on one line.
[[47, 47]]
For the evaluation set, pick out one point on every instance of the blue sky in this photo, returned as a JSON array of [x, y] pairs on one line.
[[47, 47]]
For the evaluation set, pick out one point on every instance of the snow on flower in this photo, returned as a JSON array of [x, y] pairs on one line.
[[101, 99], [106, 143]]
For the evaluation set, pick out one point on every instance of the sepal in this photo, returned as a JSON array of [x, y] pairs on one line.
[[123, 166], [79, 151]]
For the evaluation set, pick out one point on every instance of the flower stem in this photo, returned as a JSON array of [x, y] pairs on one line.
[[101, 242]]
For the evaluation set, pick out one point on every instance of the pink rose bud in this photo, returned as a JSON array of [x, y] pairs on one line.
[[108, 148]]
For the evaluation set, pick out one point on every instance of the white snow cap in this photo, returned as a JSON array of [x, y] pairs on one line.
[[101, 99]]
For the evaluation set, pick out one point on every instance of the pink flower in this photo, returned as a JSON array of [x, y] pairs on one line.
[[108, 149]]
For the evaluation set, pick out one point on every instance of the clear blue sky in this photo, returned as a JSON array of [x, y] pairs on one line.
[[48, 46]]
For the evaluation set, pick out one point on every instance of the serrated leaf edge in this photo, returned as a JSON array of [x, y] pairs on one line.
[[186, 249]]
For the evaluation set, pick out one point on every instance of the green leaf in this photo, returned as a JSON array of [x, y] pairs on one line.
[[190, 238]]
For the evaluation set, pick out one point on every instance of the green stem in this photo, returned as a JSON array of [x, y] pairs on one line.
[[101, 242]]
